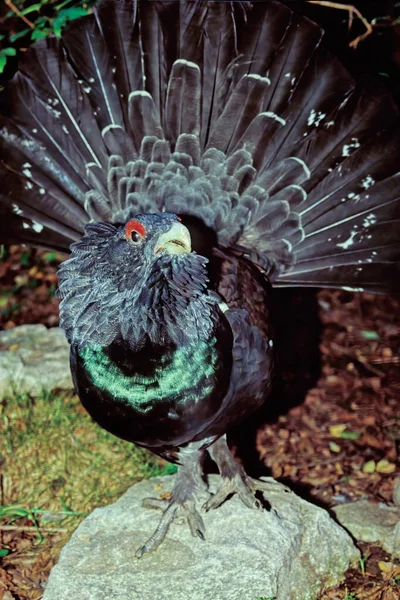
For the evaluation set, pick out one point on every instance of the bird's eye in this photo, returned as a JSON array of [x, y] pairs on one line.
[[135, 232], [135, 237]]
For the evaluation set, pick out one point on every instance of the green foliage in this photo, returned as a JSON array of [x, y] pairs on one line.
[[350, 435], [4, 53], [363, 563], [27, 22], [370, 335]]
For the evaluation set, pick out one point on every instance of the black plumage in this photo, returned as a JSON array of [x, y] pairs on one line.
[[228, 118]]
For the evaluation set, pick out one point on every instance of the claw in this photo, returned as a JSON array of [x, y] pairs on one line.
[[236, 481], [239, 484], [173, 510]]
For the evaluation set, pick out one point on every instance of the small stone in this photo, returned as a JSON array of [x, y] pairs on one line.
[[32, 359], [396, 491], [371, 522]]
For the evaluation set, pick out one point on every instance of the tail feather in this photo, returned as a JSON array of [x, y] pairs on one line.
[[118, 25], [291, 61], [243, 106], [183, 100], [231, 112], [153, 36], [264, 35], [348, 125], [93, 64], [322, 85]]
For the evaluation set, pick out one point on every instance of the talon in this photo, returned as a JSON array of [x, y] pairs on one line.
[[154, 503], [142, 550], [236, 481], [181, 504]]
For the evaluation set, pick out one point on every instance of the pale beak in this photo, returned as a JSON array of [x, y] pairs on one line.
[[175, 241]]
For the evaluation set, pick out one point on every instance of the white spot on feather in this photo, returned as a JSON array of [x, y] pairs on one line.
[[91, 80], [349, 242], [17, 209], [369, 220], [352, 145], [26, 169], [56, 113], [37, 226], [352, 289], [315, 118], [367, 182]]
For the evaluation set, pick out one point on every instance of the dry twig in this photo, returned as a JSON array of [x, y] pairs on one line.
[[12, 6], [30, 529], [353, 11]]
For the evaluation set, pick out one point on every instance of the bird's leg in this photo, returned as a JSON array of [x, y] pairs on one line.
[[188, 482], [235, 479]]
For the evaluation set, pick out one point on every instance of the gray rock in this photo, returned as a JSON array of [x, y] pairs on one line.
[[371, 522], [396, 491], [34, 358], [289, 552]]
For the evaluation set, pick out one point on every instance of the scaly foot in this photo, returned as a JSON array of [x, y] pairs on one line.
[[235, 479], [182, 503], [172, 510]]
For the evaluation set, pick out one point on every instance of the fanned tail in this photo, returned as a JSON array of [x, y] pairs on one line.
[[229, 112]]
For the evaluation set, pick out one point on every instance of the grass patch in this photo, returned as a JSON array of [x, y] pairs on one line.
[[56, 465]]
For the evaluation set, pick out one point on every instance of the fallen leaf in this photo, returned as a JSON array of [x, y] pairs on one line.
[[334, 447], [369, 467], [337, 430], [384, 466], [386, 567]]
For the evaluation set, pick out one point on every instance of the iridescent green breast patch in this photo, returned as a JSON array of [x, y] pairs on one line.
[[186, 374]]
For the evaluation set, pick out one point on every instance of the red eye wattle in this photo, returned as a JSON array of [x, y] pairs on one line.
[[133, 227]]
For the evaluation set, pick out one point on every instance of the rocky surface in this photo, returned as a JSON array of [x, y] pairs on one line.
[[289, 551], [372, 522], [34, 358]]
